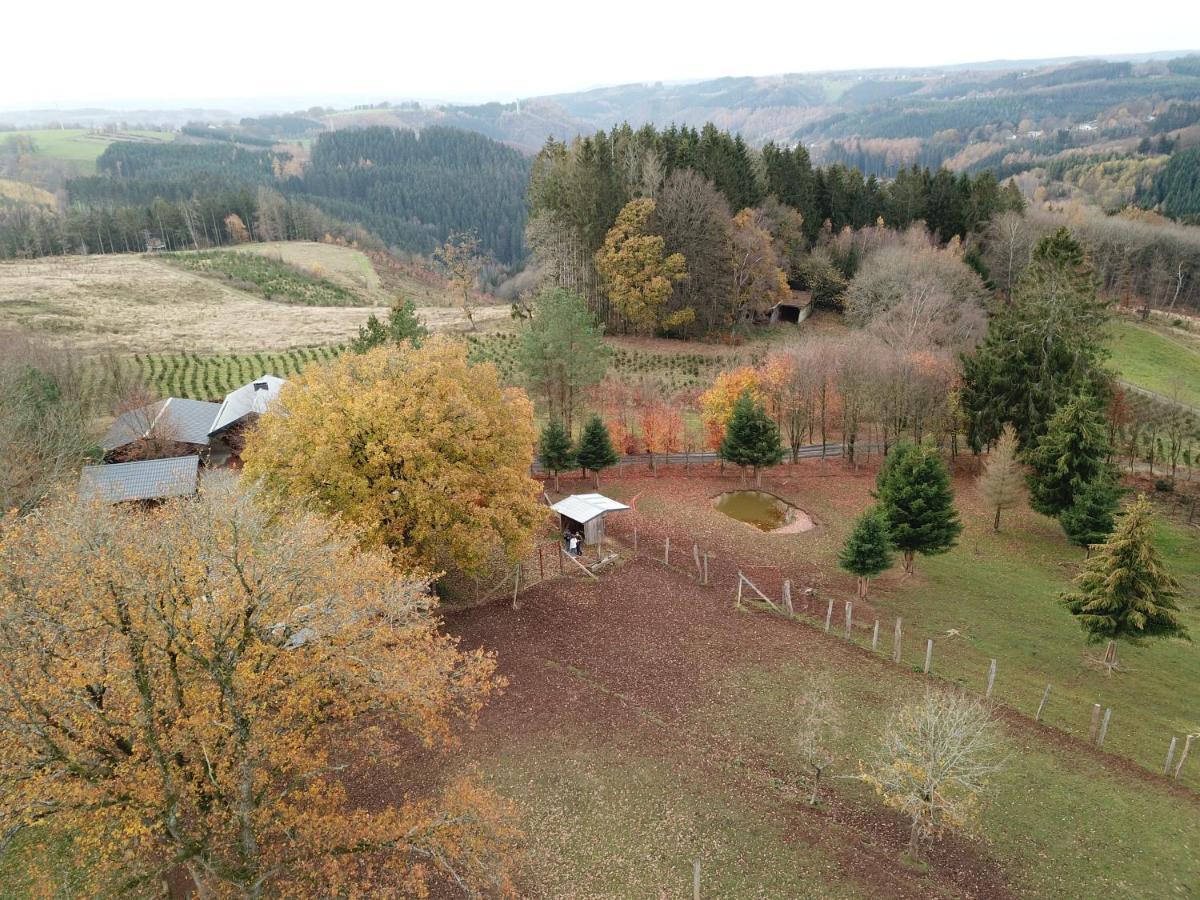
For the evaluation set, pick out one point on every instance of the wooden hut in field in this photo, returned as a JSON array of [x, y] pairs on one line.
[[583, 514]]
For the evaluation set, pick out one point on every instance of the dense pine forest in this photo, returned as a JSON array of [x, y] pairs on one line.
[[376, 185]]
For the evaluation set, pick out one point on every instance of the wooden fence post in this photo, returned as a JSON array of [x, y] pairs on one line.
[[787, 599], [875, 637], [705, 568], [849, 617], [696, 880], [635, 539], [1187, 745], [541, 564], [1104, 727], [896, 643], [991, 679], [1042, 705], [696, 556], [1170, 756], [738, 604], [828, 615], [1095, 723], [516, 586], [667, 551], [560, 556], [928, 654]]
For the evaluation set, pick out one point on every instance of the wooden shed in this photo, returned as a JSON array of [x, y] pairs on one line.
[[584, 514]]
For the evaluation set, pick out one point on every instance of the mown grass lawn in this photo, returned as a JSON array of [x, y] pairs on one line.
[[1155, 359], [81, 145]]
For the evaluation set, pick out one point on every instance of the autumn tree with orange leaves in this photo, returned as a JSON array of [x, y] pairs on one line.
[[661, 425], [429, 454], [716, 404], [170, 680]]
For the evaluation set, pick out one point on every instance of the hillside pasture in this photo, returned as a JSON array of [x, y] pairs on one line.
[[648, 724], [1158, 358], [130, 303], [80, 146]]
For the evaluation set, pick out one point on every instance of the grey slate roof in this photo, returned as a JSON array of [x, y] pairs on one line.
[[188, 421], [143, 480], [249, 398]]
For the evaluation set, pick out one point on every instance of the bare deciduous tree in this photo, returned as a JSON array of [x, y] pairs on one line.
[[819, 723], [934, 762]]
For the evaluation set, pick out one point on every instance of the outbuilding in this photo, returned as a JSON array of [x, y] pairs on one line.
[[583, 514]]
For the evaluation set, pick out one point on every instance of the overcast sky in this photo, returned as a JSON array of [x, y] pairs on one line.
[[66, 52]]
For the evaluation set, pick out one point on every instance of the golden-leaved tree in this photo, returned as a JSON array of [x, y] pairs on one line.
[[428, 454], [716, 404], [181, 689], [637, 274]]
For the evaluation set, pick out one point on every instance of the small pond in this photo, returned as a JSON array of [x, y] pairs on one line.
[[764, 511]]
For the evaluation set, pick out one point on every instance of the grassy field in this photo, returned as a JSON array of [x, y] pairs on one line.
[[1158, 358], [80, 146], [993, 596], [649, 725], [131, 303], [344, 266], [18, 193]]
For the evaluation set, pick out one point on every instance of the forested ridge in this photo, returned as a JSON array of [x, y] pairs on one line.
[[380, 185]]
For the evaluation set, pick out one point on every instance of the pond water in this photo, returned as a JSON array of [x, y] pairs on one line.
[[758, 508]]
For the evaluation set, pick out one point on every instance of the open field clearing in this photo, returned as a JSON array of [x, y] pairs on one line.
[[131, 303], [22, 194], [648, 724], [1158, 358], [83, 146], [344, 266]]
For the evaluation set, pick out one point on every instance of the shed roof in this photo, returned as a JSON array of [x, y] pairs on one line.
[[253, 397], [585, 507], [147, 479], [187, 421]]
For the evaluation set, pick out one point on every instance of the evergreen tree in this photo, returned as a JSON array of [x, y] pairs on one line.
[[913, 490], [554, 450], [1089, 520], [868, 549], [751, 438], [1124, 592], [1000, 483], [1045, 346], [562, 354], [1071, 454], [595, 448], [402, 327]]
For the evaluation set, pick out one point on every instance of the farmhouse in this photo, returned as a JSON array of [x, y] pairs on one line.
[[147, 450], [583, 514], [174, 421]]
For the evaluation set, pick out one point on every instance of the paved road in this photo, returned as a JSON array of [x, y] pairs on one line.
[[808, 451]]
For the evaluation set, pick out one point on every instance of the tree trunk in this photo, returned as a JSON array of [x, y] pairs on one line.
[[914, 841], [1110, 656], [556, 481], [996, 522], [908, 561], [812, 800], [596, 473], [757, 477]]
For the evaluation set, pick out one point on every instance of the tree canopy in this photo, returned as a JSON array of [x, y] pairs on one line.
[[428, 454], [751, 437], [170, 681]]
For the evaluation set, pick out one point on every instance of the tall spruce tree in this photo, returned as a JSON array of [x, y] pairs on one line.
[[555, 452], [751, 438], [1124, 592], [913, 490], [1045, 346], [1070, 455], [1089, 520], [868, 549], [562, 353], [595, 450], [1000, 483]]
